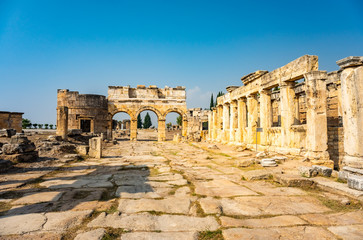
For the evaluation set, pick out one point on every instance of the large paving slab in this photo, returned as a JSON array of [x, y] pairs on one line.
[[341, 218], [267, 188], [221, 188], [148, 222], [264, 205], [279, 221], [352, 232], [21, 224], [168, 205], [61, 221], [159, 236], [302, 233], [96, 234], [38, 198]]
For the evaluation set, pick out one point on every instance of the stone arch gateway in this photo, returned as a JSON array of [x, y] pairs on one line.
[[73, 109]]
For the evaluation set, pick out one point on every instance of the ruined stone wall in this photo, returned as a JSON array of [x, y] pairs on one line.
[[11, 120], [283, 110], [86, 107], [196, 118], [334, 118]]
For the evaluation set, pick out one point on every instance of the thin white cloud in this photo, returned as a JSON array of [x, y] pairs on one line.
[[198, 98]]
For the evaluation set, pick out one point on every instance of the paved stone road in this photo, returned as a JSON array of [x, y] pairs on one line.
[[151, 190]]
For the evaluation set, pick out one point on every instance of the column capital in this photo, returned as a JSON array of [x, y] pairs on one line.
[[287, 84], [352, 61], [251, 95], [316, 75], [265, 91]]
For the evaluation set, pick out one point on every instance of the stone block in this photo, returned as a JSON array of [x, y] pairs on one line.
[[268, 162], [355, 171], [22, 157], [95, 147], [16, 148], [7, 132], [322, 170], [343, 175], [82, 149], [355, 182], [308, 172], [261, 154], [243, 163], [74, 132], [54, 138]]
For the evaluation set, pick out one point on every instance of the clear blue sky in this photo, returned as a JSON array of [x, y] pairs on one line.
[[202, 45]]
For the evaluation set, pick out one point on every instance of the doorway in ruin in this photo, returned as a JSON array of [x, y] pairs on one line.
[[121, 123], [173, 125], [147, 129], [85, 125]]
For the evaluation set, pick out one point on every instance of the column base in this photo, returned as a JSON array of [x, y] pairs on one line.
[[320, 158], [354, 162]]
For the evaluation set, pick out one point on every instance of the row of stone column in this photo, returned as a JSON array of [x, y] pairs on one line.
[[240, 117], [222, 118]]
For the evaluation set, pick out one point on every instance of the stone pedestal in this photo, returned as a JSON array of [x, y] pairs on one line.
[[316, 118], [161, 130], [184, 127], [95, 147], [62, 122], [352, 107]]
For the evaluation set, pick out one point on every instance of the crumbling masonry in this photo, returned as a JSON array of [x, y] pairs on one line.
[[94, 113], [297, 109]]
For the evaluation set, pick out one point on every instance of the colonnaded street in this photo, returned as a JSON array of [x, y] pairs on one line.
[[168, 190]]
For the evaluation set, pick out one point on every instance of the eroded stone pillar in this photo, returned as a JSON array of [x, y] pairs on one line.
[[215, 124], [133, 129], [184, 127], [233, 121], [252, 118], [95, 147], [161, 129], [316, 118], [287, 95], [265, 114], [352, 107], [62, 122], [225, 116]]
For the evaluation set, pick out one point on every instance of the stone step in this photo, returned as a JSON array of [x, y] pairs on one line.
[[355, 182]]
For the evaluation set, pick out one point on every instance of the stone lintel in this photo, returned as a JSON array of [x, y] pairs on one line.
[[253, 76], [321, 75], [231, 88], [351, 61]]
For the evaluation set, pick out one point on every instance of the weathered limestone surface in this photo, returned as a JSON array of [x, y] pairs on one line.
[[95, 147], [352, 98], [11, 120]]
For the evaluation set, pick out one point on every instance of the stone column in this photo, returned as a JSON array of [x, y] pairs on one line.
[[184, 127], [95, 147], [215, 124], [225, 117], [133, 129], [287, 95], [62, 122], [210, 125], [233, 121], [316, 120], [352, 107], [265, 114], [161, 130], [252, 118]]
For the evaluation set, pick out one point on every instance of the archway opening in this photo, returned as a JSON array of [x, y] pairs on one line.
[[173, 124], [121, 123], [147, 126]]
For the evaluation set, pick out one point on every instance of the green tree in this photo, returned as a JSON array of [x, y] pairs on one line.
[[179, 120], [139, 121], [211, 105], [46, 125], [26, 123], [220, 93], [147, 121], [51, 126], [40, 125], [35, 125], [168, 125]]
